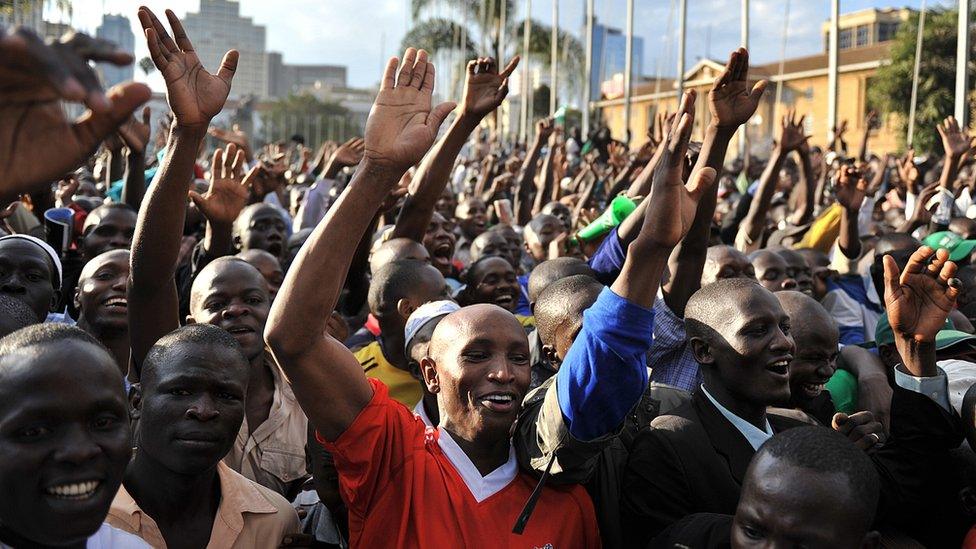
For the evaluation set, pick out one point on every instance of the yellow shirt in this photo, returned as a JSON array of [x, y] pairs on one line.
[[249, 515], [526, 321], [404, 388]]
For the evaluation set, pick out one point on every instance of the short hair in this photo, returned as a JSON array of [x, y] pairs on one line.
[[48, 332], [535, 224], [213, 265], [104, 209], [564, 298], [18, 311], [196, 334], [388, 252], [823, 450], [394, 282], [549, 271], [895, 241], [701, 311], [468, 271]]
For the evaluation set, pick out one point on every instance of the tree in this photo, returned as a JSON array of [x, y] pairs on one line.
[[891, 88], [310, 117]]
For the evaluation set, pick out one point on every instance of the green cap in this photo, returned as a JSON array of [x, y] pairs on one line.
[[619, 209], [947, 336], [958, 248]]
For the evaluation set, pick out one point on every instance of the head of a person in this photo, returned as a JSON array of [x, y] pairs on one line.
[[820, 272], [417, 333], [807, 487], [966, 302], [397, 249], [30, 272], [900, 247], [189, 401], [964, 227], [561, 212], [232, 295], [816, 337], [100, 297], [478, 365], [269, 267], [108, 227], [261, 226], [64, 435], [491, 244], [771, 271], [295, 243], [472, 216], [549, 271], [513, 242], [539, 233], [491, 280], [440, 242], [741, 336], [559, 313], [722, 261], [446, 203], [797, 269], [14, 315], [399, 288]]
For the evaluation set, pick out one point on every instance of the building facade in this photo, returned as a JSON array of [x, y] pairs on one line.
[[118, 30], [285, 79], [218, 28], [610, 59]]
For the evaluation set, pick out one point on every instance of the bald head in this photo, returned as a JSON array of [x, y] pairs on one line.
[[808, 315], [483, 320], [716, 304], [725, 262], [221, 271], [397, 249]]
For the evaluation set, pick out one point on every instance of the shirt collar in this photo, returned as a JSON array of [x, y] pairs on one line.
[[753, 435], [419, 411], [481, 487]]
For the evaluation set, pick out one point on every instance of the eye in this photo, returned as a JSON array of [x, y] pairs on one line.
[[105, 422], [179, 392], [785, 327], [214, 305], [752, 533], [33, 432], [757, 331], [35, 276], [103, 276], [224, 395], [475, 356], [519, 358]]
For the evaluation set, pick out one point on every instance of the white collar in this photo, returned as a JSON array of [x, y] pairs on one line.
[[481, 487], [419, 411], [754, 436]]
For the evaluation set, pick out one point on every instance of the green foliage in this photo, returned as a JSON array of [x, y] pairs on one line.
[[306, 115], [891, 89]]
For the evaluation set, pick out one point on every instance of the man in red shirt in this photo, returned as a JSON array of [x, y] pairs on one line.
[[407, 485]]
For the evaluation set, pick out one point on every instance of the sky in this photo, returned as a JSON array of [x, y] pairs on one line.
[[361, 34]]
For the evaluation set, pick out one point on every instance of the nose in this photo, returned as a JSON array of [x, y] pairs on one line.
[[789, 283], [119, 283], [11, 284], [782, 342], [234, 310], [78, 446], [203, 409], [502, 372]]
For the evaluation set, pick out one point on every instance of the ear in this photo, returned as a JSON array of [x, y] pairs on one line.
[[405, 308], [76, 300], [701, 350], [872, 540], [190, 319], [549, 351], [55, 299], [428, 369], [135, 400]]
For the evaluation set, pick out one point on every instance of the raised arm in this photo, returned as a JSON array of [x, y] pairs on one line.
[[224, 200], [870, 120], [484, 90], [806, 189], [326, 377], [348, 154], [956, 142], [195, 96], [525, 185], [135, 135], [851, 187]]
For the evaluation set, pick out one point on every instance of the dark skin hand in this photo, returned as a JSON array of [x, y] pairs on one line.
[[135, 135], [524, 186], [35, 78], [224, 200], [851, 189]]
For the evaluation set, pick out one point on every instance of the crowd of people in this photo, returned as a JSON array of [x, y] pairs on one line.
[[437, 336]]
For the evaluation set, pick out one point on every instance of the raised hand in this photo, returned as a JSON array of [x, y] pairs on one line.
[[136, 134], [920, 299], [955, 140], [672, 204], [907, 171], [544, 128], [730, 101], [484, 86], [851, 188], [402, 125], [228, 192], [67, 188], [195, 96], [792, 136], [350, 153]]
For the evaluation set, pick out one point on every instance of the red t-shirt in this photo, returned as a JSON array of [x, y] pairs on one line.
[[408, 485]]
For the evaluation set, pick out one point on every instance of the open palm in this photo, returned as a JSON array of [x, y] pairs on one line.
[[195, 96], [851, 188], [402, 125], [484, 87], [731, 101], [920, 299], [228, 192]]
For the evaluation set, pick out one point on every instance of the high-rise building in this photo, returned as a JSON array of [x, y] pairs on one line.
[[285, 79], [610, 56], [116, 29], [219, 27]]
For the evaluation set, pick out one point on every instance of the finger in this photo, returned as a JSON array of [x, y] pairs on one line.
[[428, 85], [700, 182], [891, 275], [510, 67], [161, 33], [419, 70], [948, 271], [918, 260], [679, 140], [472, 67], [146, 115], [217, 164], [406, 68], [439, 113], [502, 90], [238, 166], [941, 256], [228, 66], [92, 127], [197, 199], [757, 91], [182, 40], [491, 67], [389, 74], [26, 43], [839, 421]]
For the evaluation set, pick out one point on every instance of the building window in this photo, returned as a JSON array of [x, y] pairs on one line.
[[862, 35], [808, 93], [887, 31], [844, 39]]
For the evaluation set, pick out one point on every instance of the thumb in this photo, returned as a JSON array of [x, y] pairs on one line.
[[91, 128], [701, 181], [197, 200], [228, 66], [840, 419], [890, 276], [439, 113]]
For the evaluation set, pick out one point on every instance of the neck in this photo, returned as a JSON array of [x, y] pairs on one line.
[[485, 451], [115, 339], [750, 411], [168, 496], [429, 402], [392, 346]]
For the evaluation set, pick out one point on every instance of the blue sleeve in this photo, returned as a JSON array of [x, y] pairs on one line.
[[608, 260], [851, 335], [604, 373]]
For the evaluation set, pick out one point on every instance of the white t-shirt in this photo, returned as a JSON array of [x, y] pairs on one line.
[[108, 537]]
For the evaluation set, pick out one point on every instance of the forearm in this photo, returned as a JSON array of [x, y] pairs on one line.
[[134, 185], [918, 358], [756, 218], [218, 240], [849, 239], [357, 281], [950, 168], [526, 183], [432, 176], [331, 169], [545, 188], [862, 154], [805, 190]]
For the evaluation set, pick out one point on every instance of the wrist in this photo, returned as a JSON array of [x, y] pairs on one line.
[[918, 357], [719, 131], [380, 170], [197, 131], [468, 120]]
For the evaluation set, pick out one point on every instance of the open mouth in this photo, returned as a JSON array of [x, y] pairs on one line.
[[505, 300], [780, 367], [499, 402], [75, 491], [443, 253], [239, 330], [116, 303], [813, 388]]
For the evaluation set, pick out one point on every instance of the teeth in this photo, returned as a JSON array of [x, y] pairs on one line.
[[499, 398], [117, 302], [78, 490]]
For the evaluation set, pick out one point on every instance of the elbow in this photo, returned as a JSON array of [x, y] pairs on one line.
[[282, 339]]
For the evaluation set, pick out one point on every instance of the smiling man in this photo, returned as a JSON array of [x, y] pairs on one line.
[[62, 458], [492, 280], [400, 478], [102, 305], [30, 272]]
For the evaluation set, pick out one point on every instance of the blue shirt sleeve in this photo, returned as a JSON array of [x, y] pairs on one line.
[[608, 260], [604, 373]]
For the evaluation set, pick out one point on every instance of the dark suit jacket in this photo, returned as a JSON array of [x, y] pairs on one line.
[[690, 461]]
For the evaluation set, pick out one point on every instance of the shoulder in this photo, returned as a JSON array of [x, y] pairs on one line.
[[254, 501], [681, 418], [109, 537]]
